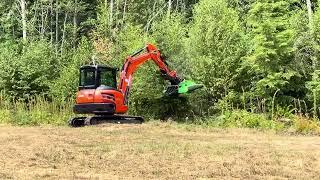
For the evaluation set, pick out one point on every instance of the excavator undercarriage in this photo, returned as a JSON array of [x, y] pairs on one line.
[[103, 119]]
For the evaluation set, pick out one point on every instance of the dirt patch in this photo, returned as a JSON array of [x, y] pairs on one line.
[[154, 151]]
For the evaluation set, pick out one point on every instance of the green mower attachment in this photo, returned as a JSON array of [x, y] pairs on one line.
[[186, 86]]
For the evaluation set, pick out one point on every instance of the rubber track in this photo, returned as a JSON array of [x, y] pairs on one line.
[[102, 119]]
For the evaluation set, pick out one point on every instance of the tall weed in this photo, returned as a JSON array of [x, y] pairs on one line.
[[37, 111]]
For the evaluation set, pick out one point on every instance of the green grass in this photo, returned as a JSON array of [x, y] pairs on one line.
[[296, 124], [39, 111]]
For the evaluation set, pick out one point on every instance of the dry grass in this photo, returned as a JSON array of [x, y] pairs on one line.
[[155, 151]]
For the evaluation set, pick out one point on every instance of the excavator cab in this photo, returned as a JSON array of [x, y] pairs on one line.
[[97, 90], [95, 76]]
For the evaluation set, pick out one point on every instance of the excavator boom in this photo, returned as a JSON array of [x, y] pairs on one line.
[[134, 61]]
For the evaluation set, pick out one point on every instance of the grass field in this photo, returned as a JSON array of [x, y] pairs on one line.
[[155, 151]]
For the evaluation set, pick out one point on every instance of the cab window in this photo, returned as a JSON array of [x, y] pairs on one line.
[[107, 78], [87, 77]]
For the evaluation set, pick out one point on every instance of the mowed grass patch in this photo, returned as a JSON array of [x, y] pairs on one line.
[[155, 150]]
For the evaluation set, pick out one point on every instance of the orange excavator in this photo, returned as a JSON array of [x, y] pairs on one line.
[[100, 95]]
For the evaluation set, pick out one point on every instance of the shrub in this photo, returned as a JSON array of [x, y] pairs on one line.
[[27, 70], [241, 119], [244, 119], [303, 125]]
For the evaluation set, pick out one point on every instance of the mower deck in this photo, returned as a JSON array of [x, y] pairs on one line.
[[103, 119]]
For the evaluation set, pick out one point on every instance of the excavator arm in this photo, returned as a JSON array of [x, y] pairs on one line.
[[134, 61]]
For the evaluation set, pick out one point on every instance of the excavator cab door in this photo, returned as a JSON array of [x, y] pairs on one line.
[[87, 78]]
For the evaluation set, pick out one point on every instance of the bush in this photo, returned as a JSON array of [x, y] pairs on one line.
[[302, 125], [214, 50], [27, 70], [244, 119]]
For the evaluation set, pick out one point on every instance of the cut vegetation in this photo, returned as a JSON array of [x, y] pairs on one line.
[[155, 150]]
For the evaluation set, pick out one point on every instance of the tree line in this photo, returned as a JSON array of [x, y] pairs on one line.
[[257, 55]]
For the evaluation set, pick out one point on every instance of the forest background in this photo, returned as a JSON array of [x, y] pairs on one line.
[[258, 59]]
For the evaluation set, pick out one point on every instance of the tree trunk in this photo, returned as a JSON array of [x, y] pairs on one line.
[[184, 6], [177, 5], [57, 26], [124, 11], [42, 21], [154, 8], [117, 14], [23, 19], [310, 15], [75, 21], [51, 29], [111, 15], [154, 13], [154, 16], [63, 33], [169, 7]]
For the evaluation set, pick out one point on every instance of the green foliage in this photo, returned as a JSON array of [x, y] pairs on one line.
[[244, 119], [260, 56], [65, 86], [102, 22], [271, 57], [284, 112], [170, 35], [215, 46], [27, 69]]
